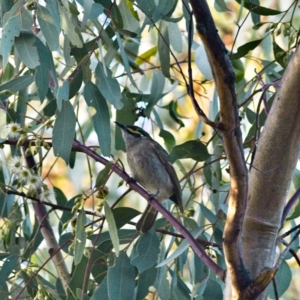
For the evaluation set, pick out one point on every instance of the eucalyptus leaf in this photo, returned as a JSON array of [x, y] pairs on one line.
[[120, 279], [146, 250], [108, 86], [80, 237], [101, 118], [10, 30], [64, 131], [27, 51], [48, 27], [195, 150], [112, 227]]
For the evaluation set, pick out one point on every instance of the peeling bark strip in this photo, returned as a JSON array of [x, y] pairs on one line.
[[232, 139]]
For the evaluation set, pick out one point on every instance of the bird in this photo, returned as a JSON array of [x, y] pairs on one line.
[[151, 167]]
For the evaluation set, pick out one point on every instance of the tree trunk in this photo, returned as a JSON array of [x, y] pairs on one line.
[[270, 178]]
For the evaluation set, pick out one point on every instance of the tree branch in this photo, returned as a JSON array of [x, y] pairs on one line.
[[48, 234], [230, 125]]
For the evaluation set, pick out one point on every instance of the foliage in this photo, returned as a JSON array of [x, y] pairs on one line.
[[71, 68]]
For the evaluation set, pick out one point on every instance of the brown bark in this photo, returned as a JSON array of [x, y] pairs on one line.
[[270, 178], [232, 139]]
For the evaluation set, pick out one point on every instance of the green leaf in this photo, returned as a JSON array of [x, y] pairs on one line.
[[195, 150], [146, 250], [129, 16], [91, 11], [42, 75], [62, 94], [120, 279], [168, 138], [260, 10], [101, 118], [24, 44], [48, 27], [123, 215], [173, 113], [101, 291], [179, 289], [64, 131], [113, 232], [239, 70], [283, 279], [102, 176], [220, 6], [157, 87], [163, 48], [8, 266], [76, 280], [52, 6], [68, 27], [146, 279], [10, 30], [15, 85], [279, 54], [175, 36], [126, 115], [75, 80], [180, 249], [109, 86], [125, 60], [213, 290], [243, 50], [162, 9], [80, 237]]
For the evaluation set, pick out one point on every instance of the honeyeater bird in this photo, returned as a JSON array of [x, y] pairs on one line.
[[151, 166]]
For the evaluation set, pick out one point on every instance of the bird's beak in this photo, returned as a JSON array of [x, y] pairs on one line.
[[120, 125]]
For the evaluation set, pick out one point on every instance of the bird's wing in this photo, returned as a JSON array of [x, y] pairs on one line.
[[165, 160]]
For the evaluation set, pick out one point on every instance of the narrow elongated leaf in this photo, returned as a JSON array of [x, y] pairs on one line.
[[10, 30], [212, 290], [181, 248], [145, 253], [91, 11], [129, 16], [103, 175], [24, 44], [48, 27], [260, 10], [15, 85], [157, 86], [80, 237], [125, 60], [175, 36], [123, 215], [146, 279], [120, 279], [101, 291], [45, 72], [108, 86], [64, 131], [7, 267], [101, 119], [52, 7], [163, 48], [68, 29], [190, 149], [243, 50], [162, 9], [113, 232], [62, 94]]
